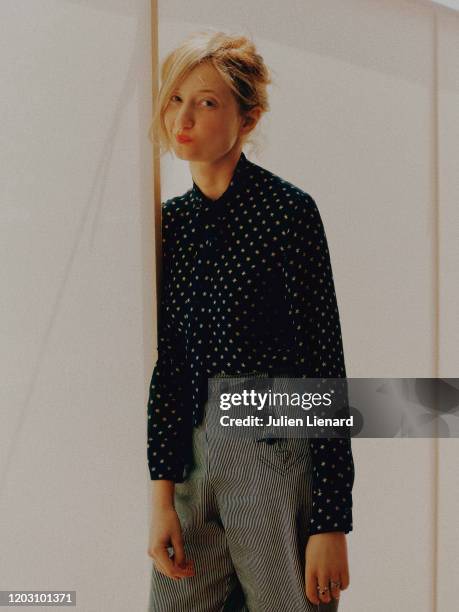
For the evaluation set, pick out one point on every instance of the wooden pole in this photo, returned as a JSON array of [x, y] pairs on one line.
[[156, 156]]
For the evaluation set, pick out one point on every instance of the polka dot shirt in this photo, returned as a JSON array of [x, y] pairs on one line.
[[247, 286]]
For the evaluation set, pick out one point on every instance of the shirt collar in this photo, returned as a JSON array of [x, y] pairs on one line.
[[238, 179]]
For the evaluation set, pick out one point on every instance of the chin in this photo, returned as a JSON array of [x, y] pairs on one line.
[[183, 155], [188, 154]]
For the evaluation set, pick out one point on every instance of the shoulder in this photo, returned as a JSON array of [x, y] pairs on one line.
[[174, 213], [293, 199], [291, 195], [173, 208], [171, 214]]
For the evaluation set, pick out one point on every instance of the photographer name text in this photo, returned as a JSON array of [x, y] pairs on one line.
[[284, 421]]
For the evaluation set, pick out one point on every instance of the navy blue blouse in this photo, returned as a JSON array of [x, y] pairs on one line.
[[247, 286]]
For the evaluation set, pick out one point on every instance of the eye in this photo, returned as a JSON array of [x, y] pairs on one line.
[[211, 102], [207, 102]]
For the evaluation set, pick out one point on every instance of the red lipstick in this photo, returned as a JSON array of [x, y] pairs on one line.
[[183, 139]]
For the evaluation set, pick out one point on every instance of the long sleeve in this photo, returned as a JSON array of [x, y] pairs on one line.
[[167, 419], [319, 349]]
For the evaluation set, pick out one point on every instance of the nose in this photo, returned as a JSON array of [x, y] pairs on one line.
[[184, 119]]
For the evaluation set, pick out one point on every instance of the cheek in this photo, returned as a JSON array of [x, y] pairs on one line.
[[221, 125], [168, 120]]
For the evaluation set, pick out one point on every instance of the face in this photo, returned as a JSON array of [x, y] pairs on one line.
[[204, 110]]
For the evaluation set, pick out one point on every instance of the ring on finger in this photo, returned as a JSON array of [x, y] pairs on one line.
[[335, 584], [322, 590]]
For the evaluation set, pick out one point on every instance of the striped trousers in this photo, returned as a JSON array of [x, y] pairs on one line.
[[244, 510]]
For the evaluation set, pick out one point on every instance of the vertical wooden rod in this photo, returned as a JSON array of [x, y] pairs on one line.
[[156, 156], [436, 296]]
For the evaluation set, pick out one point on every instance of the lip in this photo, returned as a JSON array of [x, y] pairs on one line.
[[183, 139]]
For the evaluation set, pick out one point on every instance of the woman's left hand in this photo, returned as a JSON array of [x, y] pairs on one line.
[[326, 564]]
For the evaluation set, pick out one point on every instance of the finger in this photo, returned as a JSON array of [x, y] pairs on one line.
[[323, 584], [311, 587], [163, 570], [179, 555], [179, 552], [335, 585], [166, 565], [185, 570], [345, 579], [167, 569], [182, 565]]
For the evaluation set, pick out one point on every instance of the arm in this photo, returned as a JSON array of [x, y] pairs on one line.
[[166, 428], [316, 324], [166, 408]]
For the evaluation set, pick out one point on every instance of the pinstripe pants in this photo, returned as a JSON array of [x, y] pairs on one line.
[[244, 511]]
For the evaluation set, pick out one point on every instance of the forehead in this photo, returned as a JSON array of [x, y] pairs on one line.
[[204, 76]]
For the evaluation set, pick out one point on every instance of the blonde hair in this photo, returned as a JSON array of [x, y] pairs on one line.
[[233, 56]]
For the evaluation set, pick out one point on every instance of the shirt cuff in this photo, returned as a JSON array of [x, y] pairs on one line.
[[176, 471], [330, 512]]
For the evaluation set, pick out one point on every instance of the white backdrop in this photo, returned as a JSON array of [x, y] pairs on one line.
[[454, 4], [76, 186], [370, 129], [365, 121]]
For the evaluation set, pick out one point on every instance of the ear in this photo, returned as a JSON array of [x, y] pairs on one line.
[[251, 119]]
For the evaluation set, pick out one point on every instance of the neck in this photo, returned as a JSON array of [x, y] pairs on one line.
[[213, 177]]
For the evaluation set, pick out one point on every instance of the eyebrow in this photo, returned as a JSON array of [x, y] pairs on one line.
[[201, 90]]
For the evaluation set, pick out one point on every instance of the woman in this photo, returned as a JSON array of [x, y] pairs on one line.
[[247, 287]]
